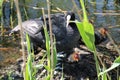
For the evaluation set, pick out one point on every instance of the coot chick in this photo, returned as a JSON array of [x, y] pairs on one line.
[[66, 34], [101, 35]]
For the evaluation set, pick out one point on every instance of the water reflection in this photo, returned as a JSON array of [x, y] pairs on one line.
[[100, 19], [93, 6], [100, 8], [34, 13], [111, 6]]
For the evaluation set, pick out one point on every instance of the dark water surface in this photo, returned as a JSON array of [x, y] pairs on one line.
[[103, 13]]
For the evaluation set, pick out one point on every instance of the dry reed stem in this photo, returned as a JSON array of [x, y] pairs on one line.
[[21, 33]]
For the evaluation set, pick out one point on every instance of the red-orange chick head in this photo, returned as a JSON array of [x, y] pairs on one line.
[[103, 31], [74, 57]]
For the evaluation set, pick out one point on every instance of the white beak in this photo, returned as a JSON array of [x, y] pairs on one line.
[[68, 19]]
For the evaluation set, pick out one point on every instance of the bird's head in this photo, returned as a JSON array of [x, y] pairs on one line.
[[74, 56], [70, 16], [103, 32]]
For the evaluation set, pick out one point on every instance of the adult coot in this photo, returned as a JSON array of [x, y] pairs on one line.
[[66, 34]]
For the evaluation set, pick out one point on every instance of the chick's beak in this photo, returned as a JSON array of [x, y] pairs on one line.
[[68, 19]]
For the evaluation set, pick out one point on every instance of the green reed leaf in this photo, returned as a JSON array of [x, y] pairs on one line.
[[1, 2], [114, 65]]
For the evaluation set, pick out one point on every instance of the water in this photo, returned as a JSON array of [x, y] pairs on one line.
[[93, 6]]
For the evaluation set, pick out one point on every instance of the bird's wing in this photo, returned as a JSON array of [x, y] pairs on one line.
[[33, 26], [30, 26]]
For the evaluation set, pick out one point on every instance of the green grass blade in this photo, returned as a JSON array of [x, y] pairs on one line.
[[54, 54], [9, 76], [43, 58], [88, 37], [26, 77], [29, 71], [84, 11], [104, 76], [47, 38], [89, 29], [117, 60], [1, 2], [86, 30], [47, 68], [28, 44], [114, 65], [48, 77]]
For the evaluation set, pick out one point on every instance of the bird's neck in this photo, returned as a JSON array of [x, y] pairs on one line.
[[73, 25]]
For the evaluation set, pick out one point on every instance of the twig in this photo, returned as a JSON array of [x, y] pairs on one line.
[[110, 14], [21, 33], [39, 8]]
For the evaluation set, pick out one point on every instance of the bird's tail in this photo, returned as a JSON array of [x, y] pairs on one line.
[[14, 30]]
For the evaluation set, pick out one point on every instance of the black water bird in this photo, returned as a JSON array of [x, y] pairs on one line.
[[66, 34], [101, 35]]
